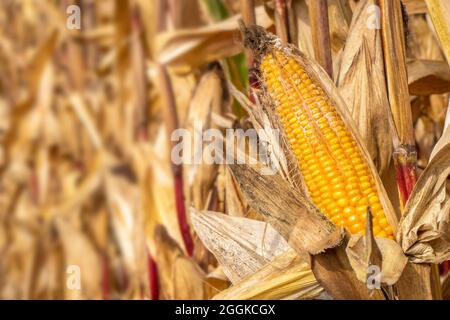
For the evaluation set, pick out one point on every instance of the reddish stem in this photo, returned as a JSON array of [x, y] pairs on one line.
[[405, 160], [181, 211], [401, 185], [172, 124], [153, 277]]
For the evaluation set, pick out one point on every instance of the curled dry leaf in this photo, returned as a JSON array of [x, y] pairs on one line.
[[285, 277], [242, 246], [185, 49], [425, 227], [392, 264], [362, 84]]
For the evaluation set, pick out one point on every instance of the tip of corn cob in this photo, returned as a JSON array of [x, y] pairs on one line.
[[257, 39]]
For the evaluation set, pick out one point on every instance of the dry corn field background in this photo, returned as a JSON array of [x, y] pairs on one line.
[[346, 197]]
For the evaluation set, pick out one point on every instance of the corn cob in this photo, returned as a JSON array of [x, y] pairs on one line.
[[338, 179]]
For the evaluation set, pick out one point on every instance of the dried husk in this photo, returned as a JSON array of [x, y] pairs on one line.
[[262, 123], [300, 223], [234, 203], [304, 40], [394, 53], [362, 84], [242, 246], [424, 227], [285, 277], [439, 11], [340, 16], [393, 261]]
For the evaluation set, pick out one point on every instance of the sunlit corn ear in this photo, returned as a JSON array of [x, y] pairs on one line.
[[334, 166]]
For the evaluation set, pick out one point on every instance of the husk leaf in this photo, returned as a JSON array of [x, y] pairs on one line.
[[362, 84], [424, 228], [285, 277]]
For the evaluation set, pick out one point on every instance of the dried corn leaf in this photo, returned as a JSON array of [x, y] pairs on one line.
[[79, 252], [261, 122], [185, 49], [234, 202], [304, 28], [285, 277], [210, 97], [439, 11], [425, 226], [393, 261], [362, 84], [339, 15], [422, 42], [299, 222], [242, 246], [180, 277]]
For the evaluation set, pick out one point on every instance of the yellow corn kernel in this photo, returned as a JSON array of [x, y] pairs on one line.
[[335, 172]]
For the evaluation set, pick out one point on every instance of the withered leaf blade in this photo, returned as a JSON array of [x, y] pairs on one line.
[[425, 227], [362, 84], [334, 272], [242, 246], [285, 277], [188, 48], [439, 11], [304, 227], [180, 276], [392, 264]]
